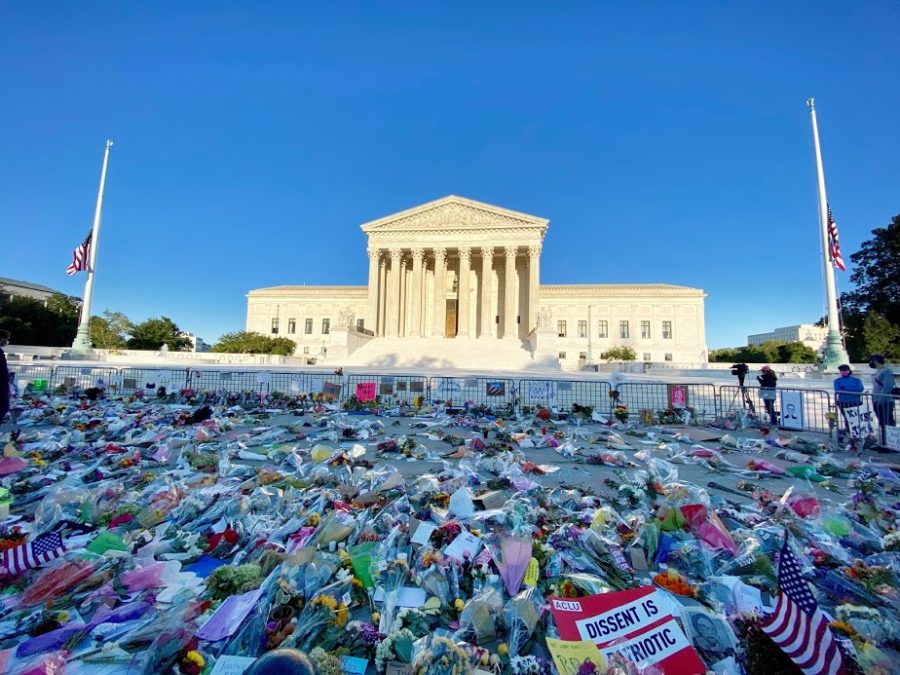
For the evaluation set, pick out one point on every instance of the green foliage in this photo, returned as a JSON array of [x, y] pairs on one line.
[[110, 330], [619, 354], [871, 312], [247, 342], [154, 333], [33, 323], [771, 351]]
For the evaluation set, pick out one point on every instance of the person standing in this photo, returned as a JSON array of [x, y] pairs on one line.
[[4, 376], [847, 390], [883, 384], [768, 380]]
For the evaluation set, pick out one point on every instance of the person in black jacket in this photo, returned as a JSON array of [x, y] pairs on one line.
[[767, 383], [4, 376]]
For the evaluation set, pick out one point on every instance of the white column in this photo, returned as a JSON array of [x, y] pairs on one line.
[[487, 317], [417, 255], [510, 306], [404, 296], [440, 298], [462, 312], [534, 287], [392, 315], [372, 315], [382, 295]]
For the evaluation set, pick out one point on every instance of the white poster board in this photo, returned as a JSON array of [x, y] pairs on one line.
[[892, 437], [859, 421], [542, 391], [792, 410]]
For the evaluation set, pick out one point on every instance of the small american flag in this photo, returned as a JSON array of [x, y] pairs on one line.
[[41, 550], [834, 244], [798, 626], [80, 256], [496, 388]]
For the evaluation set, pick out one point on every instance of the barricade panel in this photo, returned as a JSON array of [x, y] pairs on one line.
[[564, 394], [386, 388], [795, 409], [137, 379], [38, 377], [491, 392], [657, 397], [83, 377]]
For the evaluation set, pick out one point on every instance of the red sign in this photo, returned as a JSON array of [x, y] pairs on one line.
[[365, 391], [678, 396], [637, 624]]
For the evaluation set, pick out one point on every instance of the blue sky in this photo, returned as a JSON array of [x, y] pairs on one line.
[[666, 142]]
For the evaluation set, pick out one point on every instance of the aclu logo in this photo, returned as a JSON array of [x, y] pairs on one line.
[[567, 605]]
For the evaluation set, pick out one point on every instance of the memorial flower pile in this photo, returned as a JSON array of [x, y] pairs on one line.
[[438, 541]]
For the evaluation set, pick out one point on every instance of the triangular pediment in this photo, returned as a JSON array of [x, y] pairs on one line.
[[455, 213]]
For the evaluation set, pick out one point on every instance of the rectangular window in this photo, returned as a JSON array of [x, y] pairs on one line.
[[645, 330], [560, 329], [582, 356], [360, 324], [646, 356], [306, 350], [307, 327], [667, 330], [668, 357], [326, 326], [275, 326], [623, 329], [562, 355], [292, 326], [603, 328], [582, 329]]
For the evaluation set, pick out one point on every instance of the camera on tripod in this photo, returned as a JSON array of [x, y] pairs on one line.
[[740, 370]]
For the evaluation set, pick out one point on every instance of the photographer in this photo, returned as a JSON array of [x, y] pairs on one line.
[[767, 383]]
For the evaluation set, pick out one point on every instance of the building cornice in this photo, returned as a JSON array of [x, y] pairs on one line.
[[607, 290], [308, 291]]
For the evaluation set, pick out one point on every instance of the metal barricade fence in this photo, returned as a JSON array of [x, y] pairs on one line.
[[306, 384], [700, 399], [39, 377], [83, 377], [491, 392], [795, 409], [564, 394], [231, 382], [137, 379], [399, 388]]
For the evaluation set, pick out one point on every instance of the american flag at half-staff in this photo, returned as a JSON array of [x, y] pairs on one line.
[[81, 256], [834, 244], [798, 626], [41, 550]]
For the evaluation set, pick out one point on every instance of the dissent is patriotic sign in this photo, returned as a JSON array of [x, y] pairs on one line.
[[636, 624]]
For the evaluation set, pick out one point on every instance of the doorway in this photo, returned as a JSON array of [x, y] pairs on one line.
[[450, 321]]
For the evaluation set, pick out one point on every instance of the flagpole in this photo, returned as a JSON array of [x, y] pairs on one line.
[[835, 354], [82, 343]]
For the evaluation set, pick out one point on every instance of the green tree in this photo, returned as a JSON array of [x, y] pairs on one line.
[[33, 322], [619, 354], [110, 330], [770, 351], [247, 342], [156, 332], [796, 352], [877, 291]]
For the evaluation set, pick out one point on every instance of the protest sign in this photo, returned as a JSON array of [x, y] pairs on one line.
[[263, 378], [637, 623], [448, 387], [892, 437], [569, 656], [331, 389], [859, 421], [542, 391], [365, 391], [791, 410]]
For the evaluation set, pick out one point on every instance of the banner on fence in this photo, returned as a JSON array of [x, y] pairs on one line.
[[678, 395], [542, 391], [792, 410], [495, 388], [448, 388], [636, 623], [331, 389], [365, 391]]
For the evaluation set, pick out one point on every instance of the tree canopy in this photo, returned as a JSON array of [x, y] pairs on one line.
[[156, 332], [771, 351], [871, 312], [110, 330], [247, 342], [31, 322], [619, 354]]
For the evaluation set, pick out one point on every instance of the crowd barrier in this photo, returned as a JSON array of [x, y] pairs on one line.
[[797, 409]]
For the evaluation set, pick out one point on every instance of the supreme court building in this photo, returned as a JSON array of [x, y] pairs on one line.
[[470, 271]]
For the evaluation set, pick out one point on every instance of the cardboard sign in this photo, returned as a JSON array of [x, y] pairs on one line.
[[892, 437], [569, 656], [532, 573], [637, 623], [232, 665], [542, 391], [398, 668], [466, 545], [354, 665], [678, 395], [331, 390], [365, 391], [859, 421], [791, 410]]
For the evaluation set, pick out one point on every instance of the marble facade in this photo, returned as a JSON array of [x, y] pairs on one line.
[[458, 268]]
